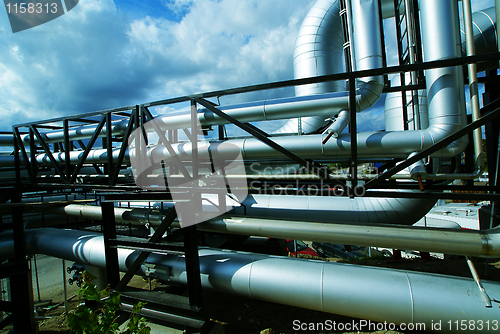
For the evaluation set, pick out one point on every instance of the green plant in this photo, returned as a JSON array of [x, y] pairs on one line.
[[98, 315]]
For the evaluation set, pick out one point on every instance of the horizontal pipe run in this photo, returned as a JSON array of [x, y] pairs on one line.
[[485, 243], [438, 240], [351, 290], [345, 289]]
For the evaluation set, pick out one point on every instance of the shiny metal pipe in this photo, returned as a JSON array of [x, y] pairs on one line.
[[473, 85], [484, 243], [324, 209], [484, 36], [345, 289], [122, 215]]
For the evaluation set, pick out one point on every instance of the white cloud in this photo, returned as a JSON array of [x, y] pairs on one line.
[[96, 57]]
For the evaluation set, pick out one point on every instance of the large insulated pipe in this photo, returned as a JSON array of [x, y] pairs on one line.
[[319, 51], [350, 290], [322, 209], [485, 36], [400, 211], [356, 291], [393, 110]]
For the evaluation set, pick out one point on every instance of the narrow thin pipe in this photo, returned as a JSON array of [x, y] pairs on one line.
[[475, 276], [485, 243]]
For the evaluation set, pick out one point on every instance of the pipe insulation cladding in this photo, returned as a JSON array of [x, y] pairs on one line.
[[407, 297]]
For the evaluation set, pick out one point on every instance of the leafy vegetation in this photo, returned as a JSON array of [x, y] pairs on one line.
[[99, 313]]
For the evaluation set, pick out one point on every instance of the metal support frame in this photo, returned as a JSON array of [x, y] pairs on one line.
[[160, 231]]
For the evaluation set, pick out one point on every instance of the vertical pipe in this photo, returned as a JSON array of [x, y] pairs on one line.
[[473, 84], [348, 9]]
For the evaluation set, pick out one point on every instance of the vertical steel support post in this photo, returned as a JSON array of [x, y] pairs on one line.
[[67, 149], [17, 159], [33, 155], [109, 148], [384, 55], [21, 284], [109, 232], [354, 138], [189, 232], [65, 290]]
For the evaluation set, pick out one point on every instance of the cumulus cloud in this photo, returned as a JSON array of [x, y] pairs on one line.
[[100, 56], [97, 57]]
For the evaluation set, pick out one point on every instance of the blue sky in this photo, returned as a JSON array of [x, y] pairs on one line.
[[105, 54]]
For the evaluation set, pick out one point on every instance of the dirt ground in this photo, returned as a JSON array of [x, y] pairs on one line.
[[247, 316]]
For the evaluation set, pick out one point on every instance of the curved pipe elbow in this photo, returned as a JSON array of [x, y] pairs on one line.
[[369, 92]]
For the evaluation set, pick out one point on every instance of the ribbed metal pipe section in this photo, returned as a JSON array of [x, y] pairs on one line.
[[431, 239], [350, 290]]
